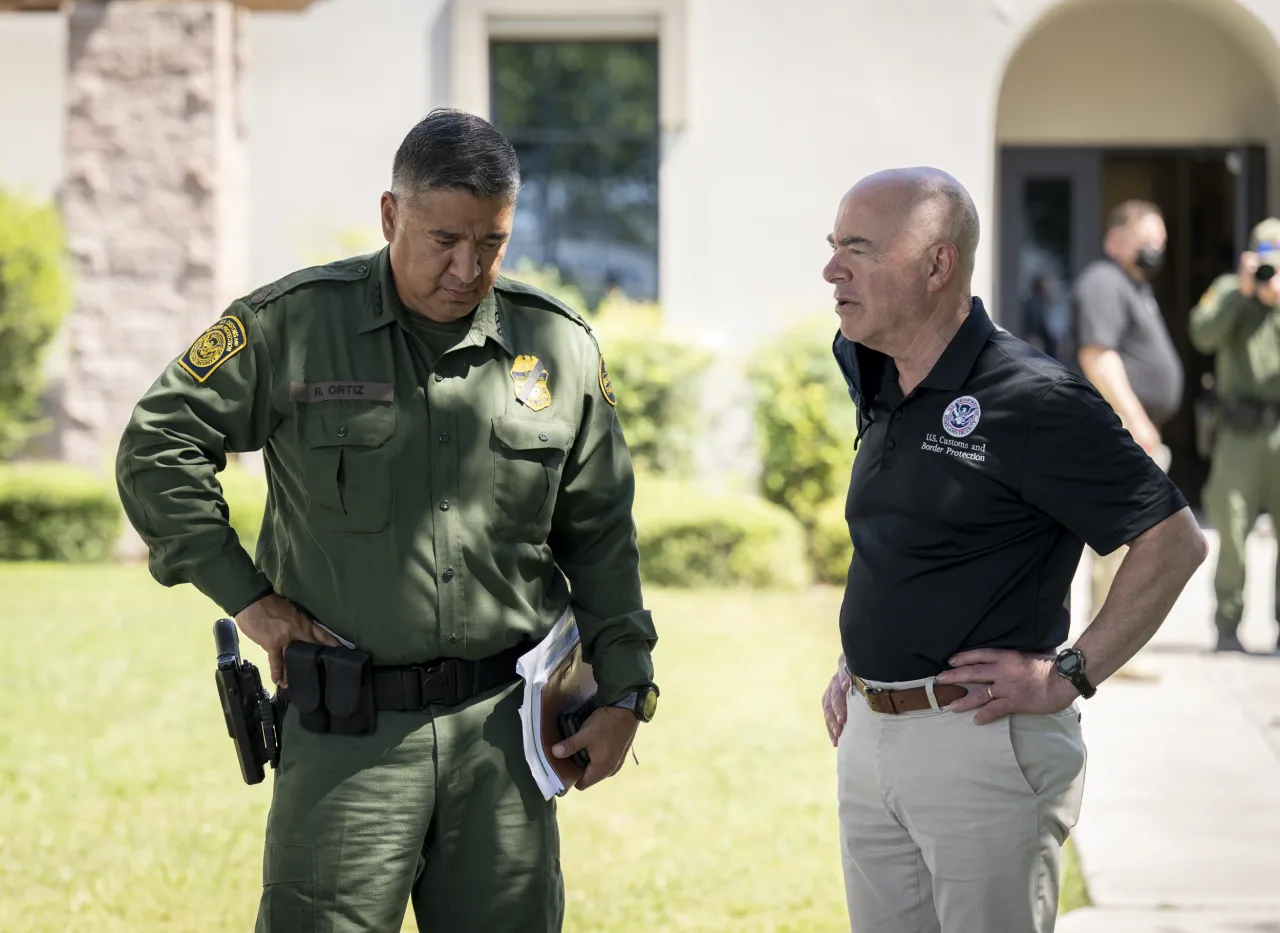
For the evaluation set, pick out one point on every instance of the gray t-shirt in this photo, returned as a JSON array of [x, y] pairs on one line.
[[1110, 309]]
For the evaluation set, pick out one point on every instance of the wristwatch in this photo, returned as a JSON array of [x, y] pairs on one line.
[[643, 702], [1070, 666]]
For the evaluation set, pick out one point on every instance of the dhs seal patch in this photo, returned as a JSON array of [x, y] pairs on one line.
[[961, 416]]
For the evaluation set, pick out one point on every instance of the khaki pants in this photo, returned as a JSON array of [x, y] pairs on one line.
[[1102, 570], [950, 827]]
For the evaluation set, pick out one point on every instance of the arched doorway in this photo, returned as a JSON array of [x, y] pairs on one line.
[[1174, 102]]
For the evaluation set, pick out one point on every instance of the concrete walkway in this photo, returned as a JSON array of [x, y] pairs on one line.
[[1180, 831]]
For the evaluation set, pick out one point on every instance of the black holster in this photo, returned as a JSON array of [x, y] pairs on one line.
[[1207, 414]]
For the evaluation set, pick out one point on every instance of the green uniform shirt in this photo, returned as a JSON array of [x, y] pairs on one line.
[[420, 507], [1245, 336]]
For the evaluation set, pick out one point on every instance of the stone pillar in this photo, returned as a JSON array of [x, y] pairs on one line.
[[154, 200]]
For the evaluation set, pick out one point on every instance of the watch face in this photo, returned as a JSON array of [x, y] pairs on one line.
[[648, 704], [1070, 664]]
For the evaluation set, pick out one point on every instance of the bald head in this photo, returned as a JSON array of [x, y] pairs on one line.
[[931, 206], [904, 248]]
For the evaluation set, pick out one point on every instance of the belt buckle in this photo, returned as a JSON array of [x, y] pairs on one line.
[[439, 684], [878, 699]]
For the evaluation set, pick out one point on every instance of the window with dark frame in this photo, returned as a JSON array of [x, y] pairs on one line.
[[583, 117]]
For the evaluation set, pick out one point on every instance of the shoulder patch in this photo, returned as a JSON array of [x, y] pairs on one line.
[[344, 270], [606, 386], [1219, 287], [220, 341], [540, 298]]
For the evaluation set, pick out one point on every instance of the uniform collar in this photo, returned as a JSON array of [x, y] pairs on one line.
[[956, 362], [864, 368], [385, 307], [488, 323], [383, 302]]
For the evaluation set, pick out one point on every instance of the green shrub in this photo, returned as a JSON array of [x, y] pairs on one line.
[[57, 512], [805, 420], [547, 278], [830, 549], [657, 382], [246, 494], [34, 297], [694, 539], [656, 379]]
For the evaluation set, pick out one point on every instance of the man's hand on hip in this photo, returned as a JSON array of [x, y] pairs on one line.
[[835, 704], [606, 735], [272, 623], [1001, 682]]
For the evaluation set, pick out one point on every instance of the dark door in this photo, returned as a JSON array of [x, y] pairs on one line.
[[1050, 215], [1053, 205]]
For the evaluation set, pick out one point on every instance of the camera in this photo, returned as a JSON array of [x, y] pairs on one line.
[[1265, 271]]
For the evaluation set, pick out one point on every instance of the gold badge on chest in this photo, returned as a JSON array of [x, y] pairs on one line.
[[530, 377]]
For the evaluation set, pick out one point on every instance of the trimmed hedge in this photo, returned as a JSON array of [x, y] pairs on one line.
[[830, 549], [57, 512], [691, 538]]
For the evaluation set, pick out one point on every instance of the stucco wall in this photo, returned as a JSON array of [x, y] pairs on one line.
[[784, 112], [33, 64], [1142, 73]]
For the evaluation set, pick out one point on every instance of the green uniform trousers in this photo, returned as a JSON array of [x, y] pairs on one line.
[[1244, 480], [438, 806]]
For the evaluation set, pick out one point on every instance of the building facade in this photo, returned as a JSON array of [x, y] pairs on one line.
[[691, 151]]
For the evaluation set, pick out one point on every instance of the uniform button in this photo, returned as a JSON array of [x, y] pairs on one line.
[[342, 431], [890, 443], [444, 437], [543, 438], [898, 413], [439, 377], [448, 574], [444, 506], [453, 639]]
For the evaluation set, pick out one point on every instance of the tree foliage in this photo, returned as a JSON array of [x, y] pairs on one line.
[[35, 295]]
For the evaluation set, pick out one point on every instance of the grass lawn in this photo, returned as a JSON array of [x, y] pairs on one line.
[[121, 807]]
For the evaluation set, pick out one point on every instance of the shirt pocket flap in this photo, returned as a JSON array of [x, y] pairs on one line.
[[527, 434], [370, 427]]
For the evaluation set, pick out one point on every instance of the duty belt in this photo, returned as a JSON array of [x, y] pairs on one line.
[[338, 689], [413, 687], [1248, 414]]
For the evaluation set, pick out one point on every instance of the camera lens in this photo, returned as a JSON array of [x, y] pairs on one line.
[[1264, 273]]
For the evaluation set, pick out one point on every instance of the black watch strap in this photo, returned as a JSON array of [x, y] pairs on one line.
[[1070, 665]]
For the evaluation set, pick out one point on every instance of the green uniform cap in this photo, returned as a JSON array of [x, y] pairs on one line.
[[1266, 235]]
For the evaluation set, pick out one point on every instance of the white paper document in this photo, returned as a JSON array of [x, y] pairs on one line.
[[536, 667]]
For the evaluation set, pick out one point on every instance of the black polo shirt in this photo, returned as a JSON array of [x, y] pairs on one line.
[[971, 500]]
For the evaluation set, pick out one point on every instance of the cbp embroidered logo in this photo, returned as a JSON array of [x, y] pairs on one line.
[[961, 416], [220, 341]]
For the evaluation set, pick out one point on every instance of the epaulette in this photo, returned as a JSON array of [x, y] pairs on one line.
[[541, 298], [343, 270]]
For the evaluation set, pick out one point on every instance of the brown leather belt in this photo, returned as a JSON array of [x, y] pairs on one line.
[[911, 700]]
